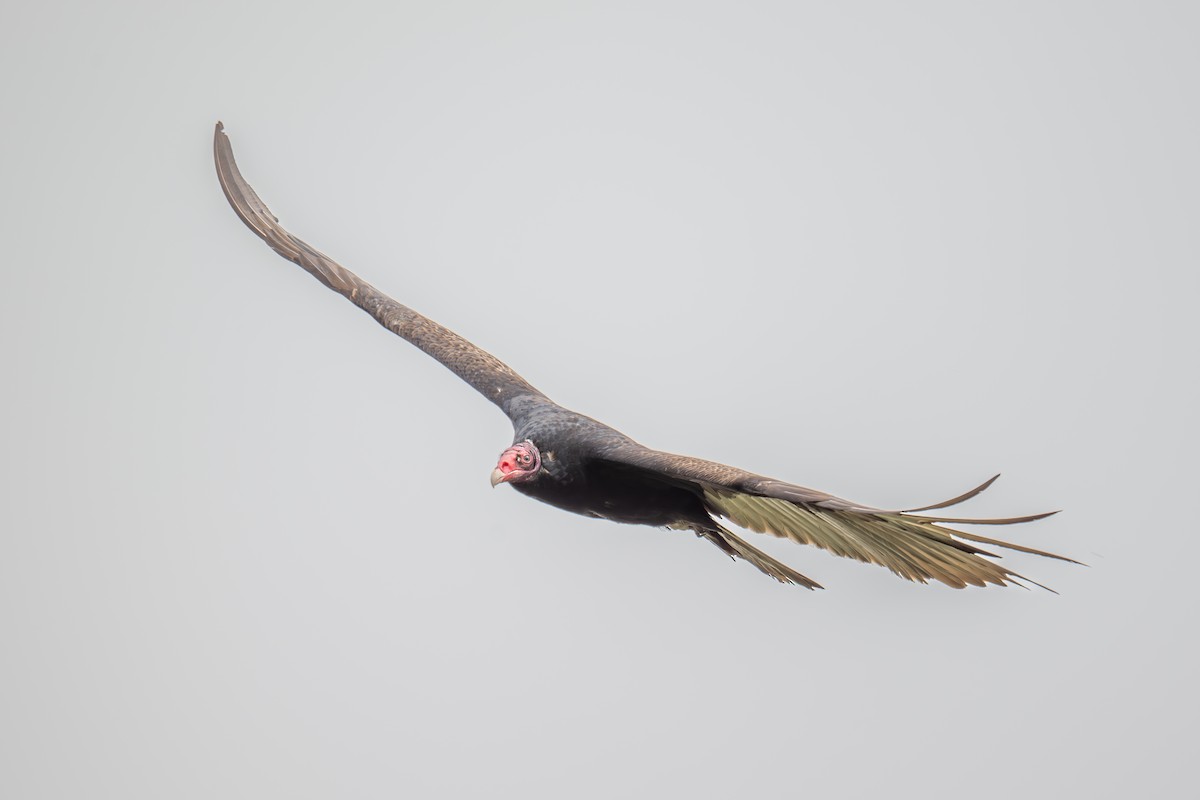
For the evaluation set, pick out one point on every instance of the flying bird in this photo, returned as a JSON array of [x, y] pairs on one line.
[[578, 464]]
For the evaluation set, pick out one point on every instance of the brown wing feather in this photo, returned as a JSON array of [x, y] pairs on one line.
[[917, 548], [491, 377]]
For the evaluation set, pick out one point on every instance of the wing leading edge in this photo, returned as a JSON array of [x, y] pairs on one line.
[[490, 376]]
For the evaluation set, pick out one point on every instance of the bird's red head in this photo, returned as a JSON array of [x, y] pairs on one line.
[[520, 462]]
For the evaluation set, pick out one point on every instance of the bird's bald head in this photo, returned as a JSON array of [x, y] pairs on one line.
[[521, 462]]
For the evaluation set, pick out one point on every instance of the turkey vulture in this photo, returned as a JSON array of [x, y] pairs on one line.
[[580, 465]]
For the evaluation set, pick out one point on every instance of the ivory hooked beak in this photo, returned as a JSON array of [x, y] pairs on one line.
[[498, 476]]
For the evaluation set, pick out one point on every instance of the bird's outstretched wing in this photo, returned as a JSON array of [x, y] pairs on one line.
[[913, 546], [491, 377]]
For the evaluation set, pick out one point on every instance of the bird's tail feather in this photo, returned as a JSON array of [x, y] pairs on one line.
[[736, 547]]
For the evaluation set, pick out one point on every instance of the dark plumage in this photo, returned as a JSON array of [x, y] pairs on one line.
[[580, 465]]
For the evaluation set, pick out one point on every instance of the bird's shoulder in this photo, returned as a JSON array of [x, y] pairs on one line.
[[552, 427]]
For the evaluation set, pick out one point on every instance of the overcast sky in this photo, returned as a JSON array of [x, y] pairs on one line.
[[247, 542]]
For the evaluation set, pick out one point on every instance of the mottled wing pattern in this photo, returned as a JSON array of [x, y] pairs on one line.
[[916, 547], [490, 376]]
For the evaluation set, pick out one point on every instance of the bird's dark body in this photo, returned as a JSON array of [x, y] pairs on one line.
[[577, 478], [605, 490], [578, 464]]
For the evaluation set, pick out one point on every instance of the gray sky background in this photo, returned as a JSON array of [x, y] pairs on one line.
[[247, 543]]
